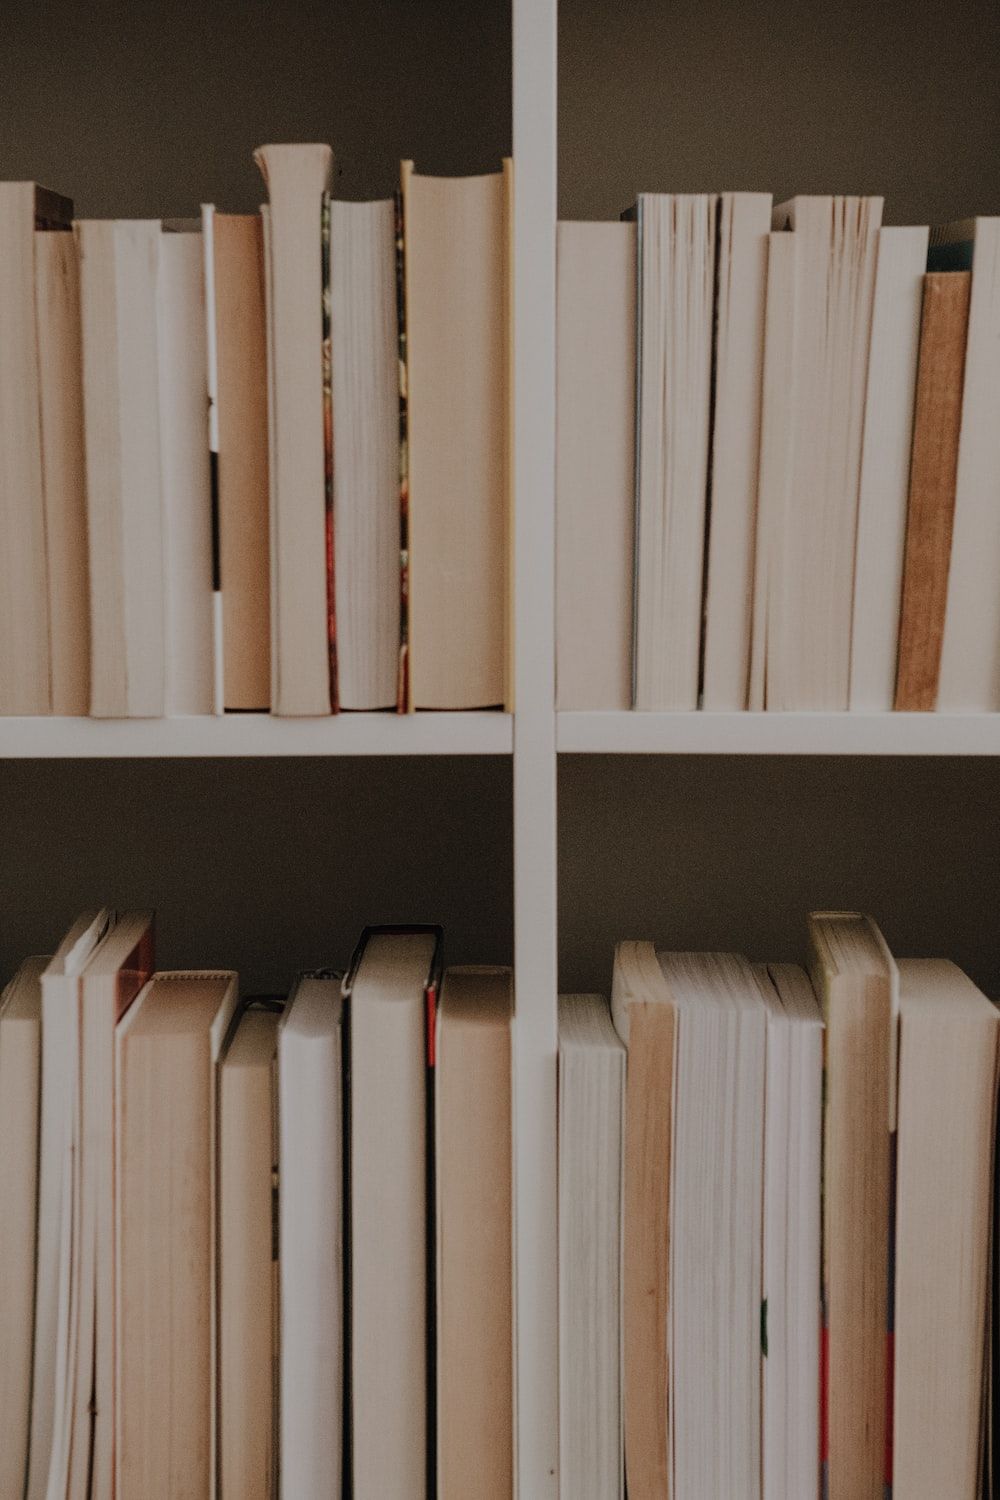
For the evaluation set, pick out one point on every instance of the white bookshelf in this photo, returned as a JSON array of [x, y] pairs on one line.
[[777, 734]]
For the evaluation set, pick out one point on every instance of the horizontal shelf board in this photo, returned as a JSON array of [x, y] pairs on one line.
[[778, 734], [257, 735]]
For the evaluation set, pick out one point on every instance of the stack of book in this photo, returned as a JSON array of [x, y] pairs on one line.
[[775, 1195], [778, 467], [254, 1246], [254, 462]]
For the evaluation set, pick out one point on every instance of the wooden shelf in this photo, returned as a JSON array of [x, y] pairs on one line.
[[778, 734]]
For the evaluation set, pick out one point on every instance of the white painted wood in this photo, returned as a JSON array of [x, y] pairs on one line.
[[257, 735], [537, 1374], [779, 734]]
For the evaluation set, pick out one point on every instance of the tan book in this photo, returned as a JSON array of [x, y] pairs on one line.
[[248, 1310], [237, 250], [856, 981], [166, 1054], [297, 178], [25, 662], [20, 1078], [948, 1034], [933, 469], [60, 373], [475, 1233], [457, 331]]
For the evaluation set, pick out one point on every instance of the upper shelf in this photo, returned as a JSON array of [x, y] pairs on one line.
[[778, 734], [257, 734]]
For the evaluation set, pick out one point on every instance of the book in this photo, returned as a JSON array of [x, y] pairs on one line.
[[457, 269], [390, 993], [25, 663], [857, 982], [365, 378], [119, 272], [930, 518], [237, 355], [970, 652], [475, 1234], [311, 1194], [297, 178], [595, 464], [676, 250], [20, 1077], [248, 1267], [60, 389], [591, 1115], [790, 1306], [948, 1034], [167, 1049], [741, 280], [885, 466]]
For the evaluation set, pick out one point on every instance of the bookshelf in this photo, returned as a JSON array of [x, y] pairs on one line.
[[777, 734]]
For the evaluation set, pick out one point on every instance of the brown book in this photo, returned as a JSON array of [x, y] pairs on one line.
[[241, 410], [933, 469]]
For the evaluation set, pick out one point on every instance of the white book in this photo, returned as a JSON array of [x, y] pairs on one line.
[[595, 464], [744, 223], [969, 680], [311, 1238], [212, 383], [885, 467]]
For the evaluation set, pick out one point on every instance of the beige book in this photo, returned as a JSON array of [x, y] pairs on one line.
[[25, 662], [857, 983], [119, 264], [297, 178], [248, 1347], [60, 373], [948, 1033], [595, 464], [475, 1235], [241, 409], [166, 1054], [20, 1077], [457, 330]]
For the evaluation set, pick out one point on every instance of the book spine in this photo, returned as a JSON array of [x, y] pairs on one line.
[[403, 680], [331, 594]]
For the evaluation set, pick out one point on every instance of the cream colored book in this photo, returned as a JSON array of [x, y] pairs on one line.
[[25, 662], [473, 1078], [60, 375], [167, 1050], [20, 1079], [248, 1290], [948, 1034], [297, 178], [119, 271], [457, 332], [595, 464]]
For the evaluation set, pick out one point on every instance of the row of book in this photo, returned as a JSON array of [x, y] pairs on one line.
[[258, 1246], [254, 462], [775, 1211], [778, 466]]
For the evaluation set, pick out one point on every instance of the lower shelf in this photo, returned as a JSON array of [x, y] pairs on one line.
[[778, 734]]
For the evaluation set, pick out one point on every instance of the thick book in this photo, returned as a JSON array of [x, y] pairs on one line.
[[25, 663], [595, 464], [237, 374], [948, 1036], [457, 271], [933, 468], [311, 1244], [365, 386], [885, 466], [248, 1267], [167, 1050], [391, 996], [857, 982], [20, 1081], [676, 251], [970, 653], [591, 1119], [119, 274], [297, 177]]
